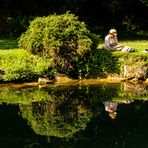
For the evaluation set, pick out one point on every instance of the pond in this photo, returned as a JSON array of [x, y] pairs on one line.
[[75, 116]]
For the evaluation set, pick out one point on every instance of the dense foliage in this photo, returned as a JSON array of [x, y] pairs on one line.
[[99, 15], [63, 38]]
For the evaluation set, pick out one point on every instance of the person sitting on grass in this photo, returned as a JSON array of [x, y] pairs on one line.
[[111, 43]]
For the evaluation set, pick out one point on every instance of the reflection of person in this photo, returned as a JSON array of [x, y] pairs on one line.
[[111, 108], [111, 43]]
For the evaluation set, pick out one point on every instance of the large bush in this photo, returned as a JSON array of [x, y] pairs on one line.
[[63, 38]]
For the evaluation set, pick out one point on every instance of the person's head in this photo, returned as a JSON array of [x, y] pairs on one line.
[[113, 32]]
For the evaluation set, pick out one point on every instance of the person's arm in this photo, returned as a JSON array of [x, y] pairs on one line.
[[107, 42], [116, 39], [117, 46]]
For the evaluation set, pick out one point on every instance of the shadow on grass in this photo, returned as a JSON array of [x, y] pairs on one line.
[[103, 63], [8, 43]]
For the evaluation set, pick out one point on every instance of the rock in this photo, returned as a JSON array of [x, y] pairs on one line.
[[43, 81], [134, 80], [62, 78], [139, 72]]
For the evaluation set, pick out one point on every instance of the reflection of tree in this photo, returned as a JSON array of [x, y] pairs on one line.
[[63, 111], [61, 117]]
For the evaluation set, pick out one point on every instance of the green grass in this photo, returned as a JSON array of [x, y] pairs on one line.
[[138, 45], [18, 63], [8, 43], [137, 58]]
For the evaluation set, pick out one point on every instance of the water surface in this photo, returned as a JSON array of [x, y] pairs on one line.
[[103, 115]]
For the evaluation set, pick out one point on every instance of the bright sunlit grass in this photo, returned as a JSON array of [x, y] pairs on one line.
[[138, 45]]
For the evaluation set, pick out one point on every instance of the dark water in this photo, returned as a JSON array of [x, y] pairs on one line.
[[74, 117]]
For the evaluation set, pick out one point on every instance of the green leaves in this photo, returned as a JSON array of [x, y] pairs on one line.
[[61, 37]]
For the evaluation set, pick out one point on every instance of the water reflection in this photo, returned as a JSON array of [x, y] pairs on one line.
[[65, 112], [135, 89], [64, 116], [56, 118], [111, 107]]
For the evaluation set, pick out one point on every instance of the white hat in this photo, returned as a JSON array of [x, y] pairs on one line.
[[113, 31]]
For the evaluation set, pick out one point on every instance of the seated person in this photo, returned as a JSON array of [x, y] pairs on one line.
[[111, 43]]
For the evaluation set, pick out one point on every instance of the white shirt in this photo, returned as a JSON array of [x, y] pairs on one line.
[[110, 42]]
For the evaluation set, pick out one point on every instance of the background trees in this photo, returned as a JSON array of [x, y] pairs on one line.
[[99, 15]]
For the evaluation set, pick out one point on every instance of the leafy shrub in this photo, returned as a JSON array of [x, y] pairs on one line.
[[61, 37], [101, 63]]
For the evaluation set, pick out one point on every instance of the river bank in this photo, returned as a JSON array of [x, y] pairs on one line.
[[73, 82], [18, 65]]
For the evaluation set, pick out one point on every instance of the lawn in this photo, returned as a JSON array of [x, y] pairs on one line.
[[9, 46], [138, 45], [21, 64], [8, 43]]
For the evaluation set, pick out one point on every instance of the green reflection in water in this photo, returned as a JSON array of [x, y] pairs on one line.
[[64, 111]]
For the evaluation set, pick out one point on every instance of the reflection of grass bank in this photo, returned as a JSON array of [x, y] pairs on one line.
[[24, 94]]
